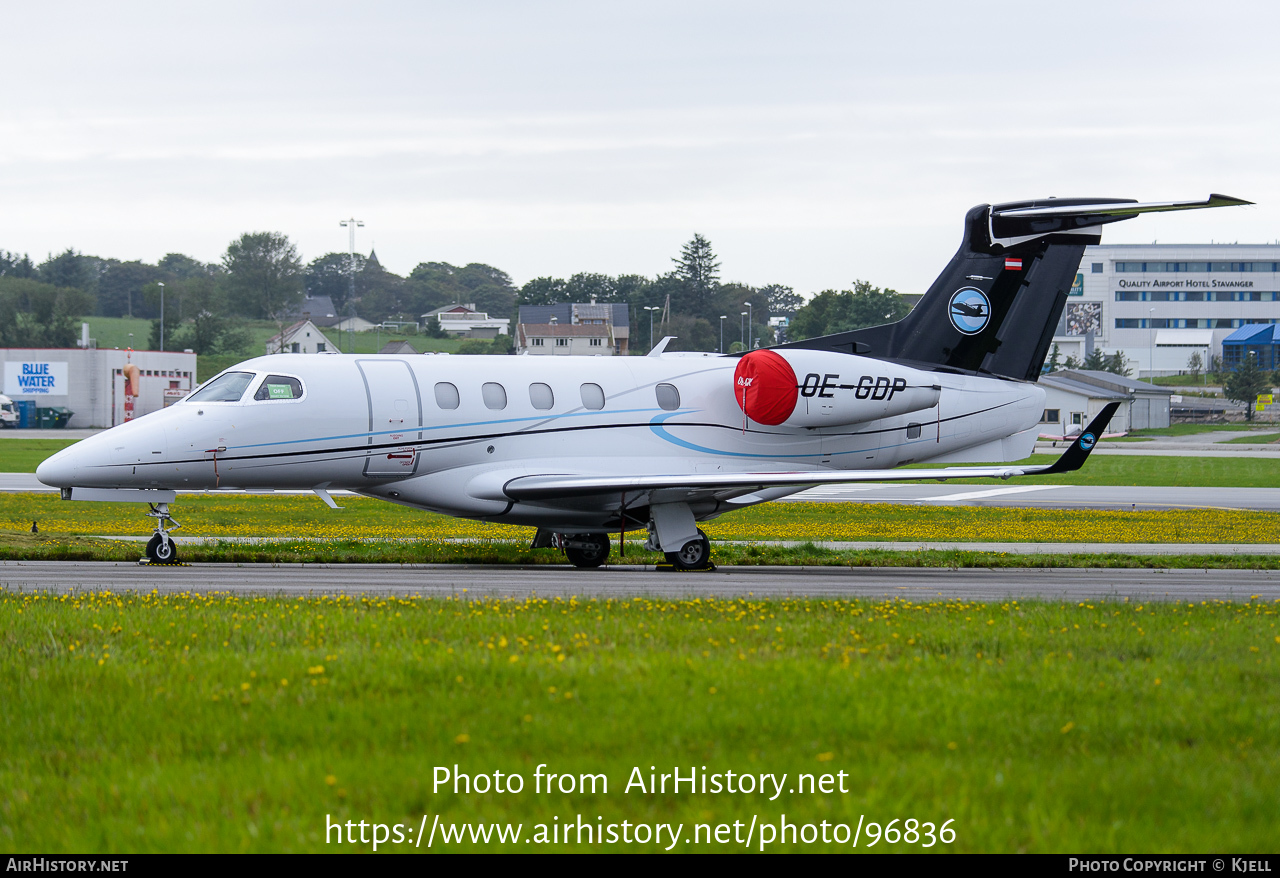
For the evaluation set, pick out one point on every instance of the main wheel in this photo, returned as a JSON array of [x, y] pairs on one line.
[[593, 552], [162, 551], [695, 555]]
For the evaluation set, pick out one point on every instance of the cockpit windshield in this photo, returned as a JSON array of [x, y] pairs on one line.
[[228, 387]]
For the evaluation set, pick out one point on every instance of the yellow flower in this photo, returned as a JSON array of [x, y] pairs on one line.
[[462, 739], [1068, 727], [826, 757]]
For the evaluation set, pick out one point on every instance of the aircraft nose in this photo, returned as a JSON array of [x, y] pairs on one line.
[[58, 471]]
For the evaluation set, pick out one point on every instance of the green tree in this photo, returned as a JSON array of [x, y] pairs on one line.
[[588, 286], [72, 269], [120, 289], [1096, 361], [1117, 365], [181, 267], [782, 300], [38, 315], [264, 276], [1195, 364], [544, 291], [13, 265], [1055, 359], [697, 272], [834, 311], [332, 275], [1246, 382]]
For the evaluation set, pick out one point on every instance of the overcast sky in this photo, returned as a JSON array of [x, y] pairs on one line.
[[812, 143]]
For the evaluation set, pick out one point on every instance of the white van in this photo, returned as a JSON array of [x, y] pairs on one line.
[[8, 412]]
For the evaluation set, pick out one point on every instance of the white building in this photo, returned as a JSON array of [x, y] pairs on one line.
[[1161, 303], [91, 382], [465, 321], [303, 337], [561, 339]]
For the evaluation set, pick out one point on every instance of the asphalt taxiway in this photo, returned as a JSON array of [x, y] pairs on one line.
[[459, 581]]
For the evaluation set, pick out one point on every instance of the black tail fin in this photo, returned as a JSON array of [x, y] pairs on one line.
[[995, 306]]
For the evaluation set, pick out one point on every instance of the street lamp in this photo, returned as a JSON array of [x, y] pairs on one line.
[[751, 332], [722, 319], [742, 328], [651, 309], [161, 315], [1151, 345]]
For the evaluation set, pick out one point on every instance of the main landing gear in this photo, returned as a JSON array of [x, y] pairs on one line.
[[694, 555], [161, 549]]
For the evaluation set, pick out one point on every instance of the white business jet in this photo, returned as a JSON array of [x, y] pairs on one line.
[[584, 447]]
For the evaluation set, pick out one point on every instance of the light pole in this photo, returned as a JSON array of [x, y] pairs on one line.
[[651, 309], [161, 315], [722, 319], [751, 332], [351, 225], [1151, 345], [742, 328]]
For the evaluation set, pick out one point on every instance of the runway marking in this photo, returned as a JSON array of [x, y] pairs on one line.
[[990, 492]]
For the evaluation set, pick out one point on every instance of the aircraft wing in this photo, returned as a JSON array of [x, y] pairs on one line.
[[554, 487]]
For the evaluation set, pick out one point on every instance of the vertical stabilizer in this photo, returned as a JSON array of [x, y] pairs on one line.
[[995, 306]]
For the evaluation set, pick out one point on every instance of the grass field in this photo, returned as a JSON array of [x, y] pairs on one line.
[[24, 455], [305, 517], [1255, 439], [216, 723]]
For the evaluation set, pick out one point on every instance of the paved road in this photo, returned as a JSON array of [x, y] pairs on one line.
[[476, 582]]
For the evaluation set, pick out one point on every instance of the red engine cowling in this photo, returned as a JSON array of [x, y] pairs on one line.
[[805, 388]]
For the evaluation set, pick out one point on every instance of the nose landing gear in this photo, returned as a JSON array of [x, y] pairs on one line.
[[583, 550], [161, 548]]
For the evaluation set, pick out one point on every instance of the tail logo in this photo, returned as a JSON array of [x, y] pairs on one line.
[[970, 310], [1087, 441]]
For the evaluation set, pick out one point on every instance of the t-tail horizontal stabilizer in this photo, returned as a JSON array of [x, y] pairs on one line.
[[1075, 456]]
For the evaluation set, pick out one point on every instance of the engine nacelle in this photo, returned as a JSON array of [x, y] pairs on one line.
[[804, 388]]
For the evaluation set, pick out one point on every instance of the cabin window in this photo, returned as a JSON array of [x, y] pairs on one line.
[[592, 397], [541, 397], [447, 395], [279, 387], [228, 387], [668, 397], [913, 431], [494, 395]]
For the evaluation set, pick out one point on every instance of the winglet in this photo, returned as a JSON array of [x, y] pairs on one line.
[[661, 346], [1075, 456]]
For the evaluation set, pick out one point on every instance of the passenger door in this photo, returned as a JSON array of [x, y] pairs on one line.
[[395, 418]]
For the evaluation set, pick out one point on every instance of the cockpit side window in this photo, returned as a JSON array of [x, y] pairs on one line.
[[227, 387], [279, 387]]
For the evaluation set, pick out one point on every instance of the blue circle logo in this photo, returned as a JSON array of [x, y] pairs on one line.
[[1087, 441], [970, 310]]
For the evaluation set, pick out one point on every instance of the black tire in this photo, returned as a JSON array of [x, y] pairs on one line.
[[593, 555], [696, 554], [161, 551]]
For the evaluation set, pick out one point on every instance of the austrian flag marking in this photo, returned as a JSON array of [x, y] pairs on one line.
[[1011, 264]]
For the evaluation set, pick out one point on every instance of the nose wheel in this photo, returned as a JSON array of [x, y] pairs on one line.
[[161, 549], [584, 550]]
